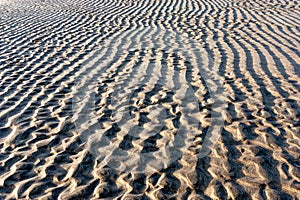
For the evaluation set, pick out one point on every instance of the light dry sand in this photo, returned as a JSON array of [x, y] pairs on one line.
[[135, 57]]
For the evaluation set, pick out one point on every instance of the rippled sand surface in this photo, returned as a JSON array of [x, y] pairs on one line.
[[149, 99]]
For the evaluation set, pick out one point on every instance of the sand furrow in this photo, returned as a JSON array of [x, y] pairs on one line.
[[149, 99]]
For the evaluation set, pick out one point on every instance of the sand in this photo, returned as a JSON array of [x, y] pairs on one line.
[[149, 99]]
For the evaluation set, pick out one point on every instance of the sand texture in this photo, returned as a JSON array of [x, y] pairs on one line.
[[150, 99]]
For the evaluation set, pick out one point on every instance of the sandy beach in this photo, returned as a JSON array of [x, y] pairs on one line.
[[150, 99]]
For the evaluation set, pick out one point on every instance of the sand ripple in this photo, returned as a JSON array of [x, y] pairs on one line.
[[116, 99]]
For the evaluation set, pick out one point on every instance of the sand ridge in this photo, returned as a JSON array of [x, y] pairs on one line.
[[55, 53]]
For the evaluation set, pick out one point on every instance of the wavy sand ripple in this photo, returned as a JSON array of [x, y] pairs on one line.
[[115, 99]]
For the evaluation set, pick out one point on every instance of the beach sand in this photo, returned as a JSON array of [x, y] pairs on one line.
[[149, 99]]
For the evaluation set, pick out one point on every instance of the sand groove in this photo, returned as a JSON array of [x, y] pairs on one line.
[[110, 99]]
